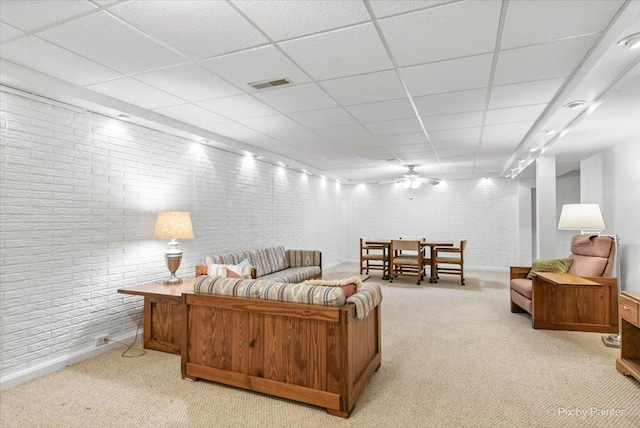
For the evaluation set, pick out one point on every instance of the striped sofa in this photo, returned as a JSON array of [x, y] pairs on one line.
[[271, 263], [296, 341]]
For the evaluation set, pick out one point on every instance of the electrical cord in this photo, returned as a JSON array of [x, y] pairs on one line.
[[141, 352]]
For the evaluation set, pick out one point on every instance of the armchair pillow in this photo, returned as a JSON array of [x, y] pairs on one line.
[[552, 265]]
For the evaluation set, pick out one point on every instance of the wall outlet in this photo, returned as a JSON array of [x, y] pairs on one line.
[[100, 340]]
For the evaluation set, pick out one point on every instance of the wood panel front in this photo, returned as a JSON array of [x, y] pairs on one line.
[[566, 302], [245, 343], [162, 329]]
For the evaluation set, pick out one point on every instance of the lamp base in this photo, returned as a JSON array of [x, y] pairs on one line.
[[611, 341], [172, 281]]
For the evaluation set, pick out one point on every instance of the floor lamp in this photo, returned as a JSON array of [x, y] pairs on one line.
[[588, 217], [614, 340]]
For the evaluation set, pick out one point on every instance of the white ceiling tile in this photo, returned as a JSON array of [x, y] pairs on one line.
[[42, 56], [302, 138], [291, 99], [384, 8], [239, 107], [110, 42], [533, 22], [343, 132], [392, 140], [509, 130], [255, 65], [451, 31], [455, 134], [231, 130], [367, 141], [288, 19], [7, 32], [33, 14], [191, 114], [446, 76], [411, 148], [384, 110], [392, 127], [372, 154], [135, 92], [272, 124], [323, 118], [190, 82], [453, 102], [521, 94], [198, 29], [339, 53], [367, 88], [453, 121], [514, 114], [462, 145], [499, 144], [556, 59]]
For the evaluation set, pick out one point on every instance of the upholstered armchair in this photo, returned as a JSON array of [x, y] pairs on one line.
[[593, 258]]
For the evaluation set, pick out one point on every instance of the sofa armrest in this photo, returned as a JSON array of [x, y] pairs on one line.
[[519, 272], [201, 270], [301, 258]]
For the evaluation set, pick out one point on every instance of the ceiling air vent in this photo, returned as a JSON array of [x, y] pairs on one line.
[[271, 83]]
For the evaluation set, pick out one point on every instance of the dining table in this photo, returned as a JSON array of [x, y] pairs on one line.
[[423, 244]]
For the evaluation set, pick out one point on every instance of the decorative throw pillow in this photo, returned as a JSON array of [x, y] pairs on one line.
[[217, 270], [345, 284], [244, 262], [239, 271], [552, 265]]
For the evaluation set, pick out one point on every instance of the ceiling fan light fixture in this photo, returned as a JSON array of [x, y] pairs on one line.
[[632, 41]]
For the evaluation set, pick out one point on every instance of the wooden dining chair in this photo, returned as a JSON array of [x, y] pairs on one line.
[[374, 257], [406, 259], [450, 256]]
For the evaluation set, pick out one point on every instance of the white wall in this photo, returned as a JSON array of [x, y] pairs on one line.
[[485, 212], [620, 190], [567, 192], [80, 193]]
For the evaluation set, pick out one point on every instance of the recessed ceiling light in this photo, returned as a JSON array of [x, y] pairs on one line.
[[574, 104], [123, 117], [632, 41]]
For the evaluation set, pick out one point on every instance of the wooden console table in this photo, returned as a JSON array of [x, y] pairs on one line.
[[568, 302], [162, 313], [629, 362]]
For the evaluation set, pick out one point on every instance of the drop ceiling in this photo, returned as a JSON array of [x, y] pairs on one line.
[[459, 88]]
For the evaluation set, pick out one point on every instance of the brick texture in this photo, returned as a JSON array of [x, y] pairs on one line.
[[484, 212], [80, 194]]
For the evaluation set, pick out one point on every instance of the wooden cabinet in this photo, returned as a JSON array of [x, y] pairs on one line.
[[567, 302], [162, 313], [629, 362]]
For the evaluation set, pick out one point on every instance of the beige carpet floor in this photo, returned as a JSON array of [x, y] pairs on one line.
[[452, 356]]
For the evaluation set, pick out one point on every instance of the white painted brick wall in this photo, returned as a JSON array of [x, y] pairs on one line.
[[79, 197], [484, 212]]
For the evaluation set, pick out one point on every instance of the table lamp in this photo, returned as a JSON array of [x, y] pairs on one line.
[[173, 225]]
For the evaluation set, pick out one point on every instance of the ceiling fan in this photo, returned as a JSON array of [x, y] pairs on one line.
[[412, 180]]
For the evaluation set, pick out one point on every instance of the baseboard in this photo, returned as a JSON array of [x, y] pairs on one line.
[[59, 363]]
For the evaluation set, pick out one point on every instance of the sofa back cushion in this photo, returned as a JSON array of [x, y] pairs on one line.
[[301, 258], [265, 260], [270, 290]]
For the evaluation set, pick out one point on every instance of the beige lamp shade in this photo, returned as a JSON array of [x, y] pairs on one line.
[[173, 225], [581, 217]]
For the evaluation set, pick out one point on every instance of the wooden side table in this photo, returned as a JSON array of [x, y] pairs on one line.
[[162, 313], [568, 302], [629, 362]]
